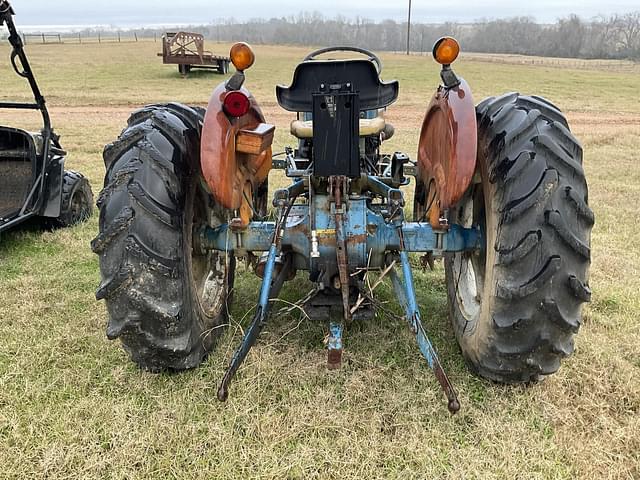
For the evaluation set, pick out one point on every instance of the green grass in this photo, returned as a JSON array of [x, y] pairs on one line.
[[73, 406]]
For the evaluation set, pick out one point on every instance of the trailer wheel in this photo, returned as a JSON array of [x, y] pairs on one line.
[[77, 200], [184, 69], [516, 304], [167, 299]]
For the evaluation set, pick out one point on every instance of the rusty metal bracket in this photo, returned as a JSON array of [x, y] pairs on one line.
[[338, 187]]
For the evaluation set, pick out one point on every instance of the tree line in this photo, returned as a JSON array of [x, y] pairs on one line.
[[606, 37], [616, 36]]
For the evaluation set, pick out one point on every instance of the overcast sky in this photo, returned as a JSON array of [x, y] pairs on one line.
[[138, 12]]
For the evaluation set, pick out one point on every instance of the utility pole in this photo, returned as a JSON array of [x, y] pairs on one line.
[[409, 29]]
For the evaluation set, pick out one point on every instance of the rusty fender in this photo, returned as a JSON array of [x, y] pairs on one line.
[[230, 174], [447, 149]]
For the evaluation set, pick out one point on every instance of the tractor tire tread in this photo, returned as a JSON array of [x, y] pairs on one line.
[[542, 252], [140, 240]]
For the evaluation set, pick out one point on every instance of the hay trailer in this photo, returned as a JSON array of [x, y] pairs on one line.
[[186, 49]]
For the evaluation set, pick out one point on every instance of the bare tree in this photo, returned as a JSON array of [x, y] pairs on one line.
[[628, 28], [570, 34]]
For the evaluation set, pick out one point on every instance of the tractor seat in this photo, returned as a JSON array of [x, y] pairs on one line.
[[373, 93], [368, 127]]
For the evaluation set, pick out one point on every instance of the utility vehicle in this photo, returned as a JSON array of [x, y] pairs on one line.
[[33, 181]]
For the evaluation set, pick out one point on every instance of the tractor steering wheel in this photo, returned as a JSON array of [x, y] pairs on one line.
[[367, 53]]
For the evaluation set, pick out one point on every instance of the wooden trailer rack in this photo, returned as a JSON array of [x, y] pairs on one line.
[[186, 50]]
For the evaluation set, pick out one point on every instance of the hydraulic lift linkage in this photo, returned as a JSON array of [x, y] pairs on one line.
[[388, 236]]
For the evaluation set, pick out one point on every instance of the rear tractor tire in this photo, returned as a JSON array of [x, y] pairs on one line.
[[516, 304], [166, 299]]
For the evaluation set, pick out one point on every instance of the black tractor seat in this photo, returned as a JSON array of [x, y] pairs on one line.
[[336, 94], [311, 76]]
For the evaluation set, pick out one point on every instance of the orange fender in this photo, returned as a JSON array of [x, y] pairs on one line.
[[447, 148], [228, 168]]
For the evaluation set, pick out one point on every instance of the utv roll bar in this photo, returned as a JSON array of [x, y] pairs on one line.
[[23, 69]]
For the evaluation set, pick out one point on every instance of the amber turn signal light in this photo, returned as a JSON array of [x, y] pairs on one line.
[[446, 50], [242, 56]]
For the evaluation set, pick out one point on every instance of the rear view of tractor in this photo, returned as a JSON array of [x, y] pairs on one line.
[[500, 194], [34, 183]]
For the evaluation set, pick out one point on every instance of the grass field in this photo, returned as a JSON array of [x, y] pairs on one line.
[[73, 406]]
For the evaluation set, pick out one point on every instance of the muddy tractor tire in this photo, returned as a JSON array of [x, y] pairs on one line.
[[167, 299], [77, 200], [516, 304]]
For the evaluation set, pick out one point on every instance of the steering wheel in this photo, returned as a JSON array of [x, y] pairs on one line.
[[367, 53]]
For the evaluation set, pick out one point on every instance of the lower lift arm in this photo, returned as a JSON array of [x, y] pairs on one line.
[[407, 297], [270, 289]]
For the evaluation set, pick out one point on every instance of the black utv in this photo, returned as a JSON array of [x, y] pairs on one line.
[[33, 181]]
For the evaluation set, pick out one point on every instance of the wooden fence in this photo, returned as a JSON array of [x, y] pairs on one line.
[[97, 37]]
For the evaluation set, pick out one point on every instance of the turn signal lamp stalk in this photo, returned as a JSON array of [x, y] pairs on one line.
[[242, 57], [445, 52]]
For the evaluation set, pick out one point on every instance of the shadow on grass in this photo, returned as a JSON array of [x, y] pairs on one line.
[[197, 74], [23, 235]]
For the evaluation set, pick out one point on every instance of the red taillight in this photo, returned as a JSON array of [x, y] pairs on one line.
[[236, 104]]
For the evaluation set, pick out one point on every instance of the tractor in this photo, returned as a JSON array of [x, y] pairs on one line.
[[499, 194], [35, 184]]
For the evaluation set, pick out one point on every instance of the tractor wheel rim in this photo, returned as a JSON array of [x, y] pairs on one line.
[[469, 267], [467, 288], [208, 269]]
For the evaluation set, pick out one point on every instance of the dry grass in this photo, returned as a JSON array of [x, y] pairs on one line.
[[73, 406], [572, 63]]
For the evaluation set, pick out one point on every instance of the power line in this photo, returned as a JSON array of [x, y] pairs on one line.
[[409, 29]]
